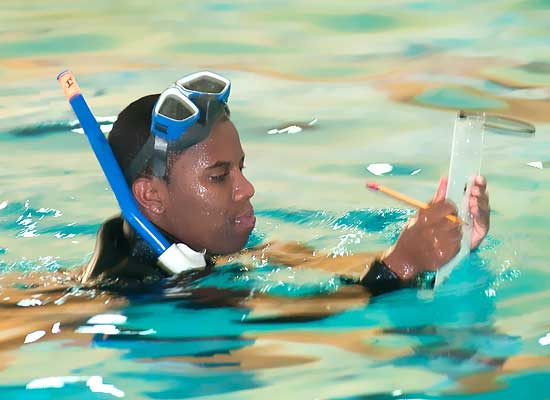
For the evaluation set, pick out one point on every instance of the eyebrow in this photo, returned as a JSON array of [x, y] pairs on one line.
[[219, 164], [222, 164]]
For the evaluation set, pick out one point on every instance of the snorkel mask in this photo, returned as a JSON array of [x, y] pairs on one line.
[[183, 116]]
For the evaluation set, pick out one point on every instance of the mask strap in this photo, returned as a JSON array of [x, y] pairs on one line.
[[155, 148], [160, 150]]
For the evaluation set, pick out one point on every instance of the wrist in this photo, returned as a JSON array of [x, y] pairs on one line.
[[409, 275], [380, 279], [403, 268]]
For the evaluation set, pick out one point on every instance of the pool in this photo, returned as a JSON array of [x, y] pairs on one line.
[[318, 95]]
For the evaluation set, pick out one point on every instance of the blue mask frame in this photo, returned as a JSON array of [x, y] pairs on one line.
[[183, 115]]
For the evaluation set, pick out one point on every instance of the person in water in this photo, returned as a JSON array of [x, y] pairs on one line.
[[196, 193]]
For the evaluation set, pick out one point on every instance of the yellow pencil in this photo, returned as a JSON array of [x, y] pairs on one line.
[[406, 199]]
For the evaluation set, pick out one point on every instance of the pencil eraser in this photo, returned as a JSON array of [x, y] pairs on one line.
[[372, 185]]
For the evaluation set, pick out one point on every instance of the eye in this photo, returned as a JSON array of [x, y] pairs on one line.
[[219, 178]]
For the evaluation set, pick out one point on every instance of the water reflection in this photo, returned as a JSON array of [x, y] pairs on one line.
[[380, 169], [58, 127], [229, 339], [539, 164], [94, 383], [294, 127]]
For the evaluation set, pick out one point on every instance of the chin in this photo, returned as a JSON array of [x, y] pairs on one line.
[[232, 246]]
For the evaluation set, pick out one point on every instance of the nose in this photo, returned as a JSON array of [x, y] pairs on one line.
[[243, 189]]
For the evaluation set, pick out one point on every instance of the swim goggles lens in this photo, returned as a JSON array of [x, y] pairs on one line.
[[205, 83], [173, 114], [173, 107]]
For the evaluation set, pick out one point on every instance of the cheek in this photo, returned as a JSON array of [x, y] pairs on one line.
[[209, 197], [206, 202], [201, 191]]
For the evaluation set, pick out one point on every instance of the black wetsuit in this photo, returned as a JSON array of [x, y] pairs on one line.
[[122, 256], [125, 264]]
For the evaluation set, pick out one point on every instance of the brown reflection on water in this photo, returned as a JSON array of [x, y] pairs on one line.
[[492, 380], [271, 344], [403, 86], [278, 347], [37, 302]]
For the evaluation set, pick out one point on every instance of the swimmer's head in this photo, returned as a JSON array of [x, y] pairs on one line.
[[203, 198]]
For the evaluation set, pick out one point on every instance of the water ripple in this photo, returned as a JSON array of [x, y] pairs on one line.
[[368, 220], [30, 222], [52, 127]]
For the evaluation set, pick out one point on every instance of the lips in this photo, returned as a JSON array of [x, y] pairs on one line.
[[246, 220]]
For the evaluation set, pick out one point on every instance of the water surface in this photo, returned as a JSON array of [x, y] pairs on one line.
[[383, 82]]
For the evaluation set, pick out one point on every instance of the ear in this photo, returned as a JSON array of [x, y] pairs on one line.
[[151, 194]]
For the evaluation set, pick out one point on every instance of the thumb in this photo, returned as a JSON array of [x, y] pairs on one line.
[[441, 190]]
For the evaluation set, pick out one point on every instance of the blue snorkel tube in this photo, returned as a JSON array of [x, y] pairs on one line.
[[174, 258]]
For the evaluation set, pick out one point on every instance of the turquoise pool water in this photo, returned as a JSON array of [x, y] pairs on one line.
[[366, 82]]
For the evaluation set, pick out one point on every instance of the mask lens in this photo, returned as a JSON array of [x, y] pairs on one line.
[[205, 84], [174, 108]]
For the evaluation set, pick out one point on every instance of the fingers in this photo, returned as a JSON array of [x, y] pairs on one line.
[[429, 241], [479, 198], [483, 205], [441, 190], [446, 243], [437, 211], [479, 185], [436, 239], [481, 182], [440, 236], [442, 247], [474, 207], [478, 191], [479, 188], [478, 205], [446, 225], [445, 234]]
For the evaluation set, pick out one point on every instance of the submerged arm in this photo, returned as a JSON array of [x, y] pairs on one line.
[[428, 241], [352, 268]]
